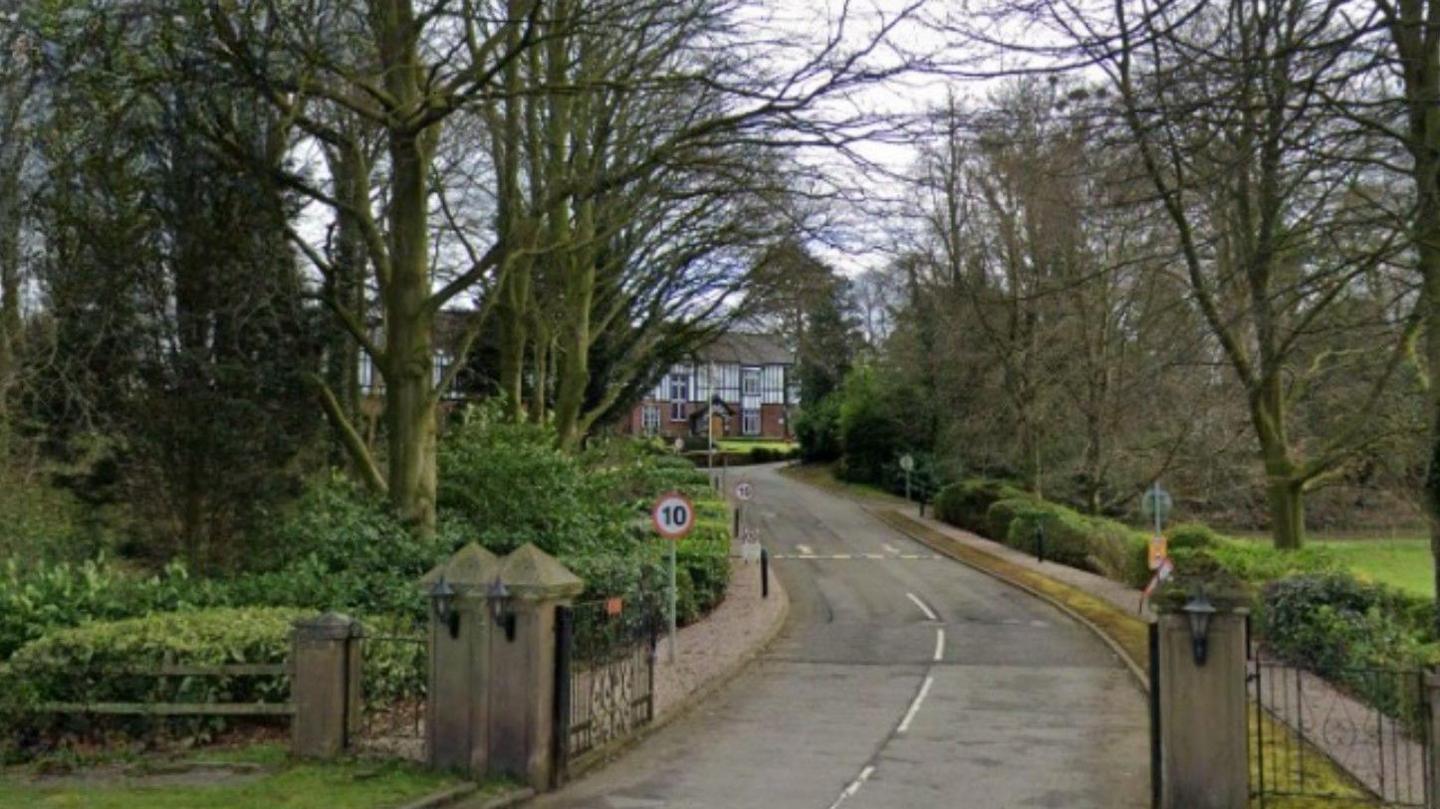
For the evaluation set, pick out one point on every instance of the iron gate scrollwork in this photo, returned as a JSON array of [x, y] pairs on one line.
[[605, 683], [1368, 726]]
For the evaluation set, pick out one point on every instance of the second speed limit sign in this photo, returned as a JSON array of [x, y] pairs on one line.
[[744, 491], [673, 515]]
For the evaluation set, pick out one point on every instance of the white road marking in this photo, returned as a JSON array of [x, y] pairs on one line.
[[1038, 623], [804, 550], [929, 613], [939, 643], [854, 786], [867, 556], [915, 706], [891, 549]]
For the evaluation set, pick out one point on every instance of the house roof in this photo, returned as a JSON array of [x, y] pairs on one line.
[[747, 349]]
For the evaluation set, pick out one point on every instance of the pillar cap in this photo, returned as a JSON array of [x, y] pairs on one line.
[[470, 570], [329, 626], [530, 573]]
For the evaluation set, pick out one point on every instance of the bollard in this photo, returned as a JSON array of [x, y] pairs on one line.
[[1040, 541], [1157, 793], [764, 573]]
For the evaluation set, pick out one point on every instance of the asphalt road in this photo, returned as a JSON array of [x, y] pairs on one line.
[[852, 707]]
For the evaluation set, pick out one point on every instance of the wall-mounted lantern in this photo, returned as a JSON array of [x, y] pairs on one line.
[[442, 598], [498, 596], [1198, 610]]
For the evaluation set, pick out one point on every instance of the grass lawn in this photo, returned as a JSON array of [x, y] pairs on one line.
[[1401, 561], [276, 783], [748, 444]]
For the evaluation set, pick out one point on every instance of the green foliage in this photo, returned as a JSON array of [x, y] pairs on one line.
[[872, 428], [91, 663], [818, 428], [964, 504], [43, 597], [1344, 629], [1254, 562], [1192, 536], [1098, 545], [511, 485], [40, 523]]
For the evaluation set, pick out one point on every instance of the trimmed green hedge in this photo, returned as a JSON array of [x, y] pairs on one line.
[[966, 503], [1352, 633], [87, 663]]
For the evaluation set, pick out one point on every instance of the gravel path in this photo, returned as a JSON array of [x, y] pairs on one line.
[[712, 649]]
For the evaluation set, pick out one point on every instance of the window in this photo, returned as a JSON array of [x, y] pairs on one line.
[[650, 419], [750, 381], [439, 369], [750, 422], [368, 382], [679, 392]]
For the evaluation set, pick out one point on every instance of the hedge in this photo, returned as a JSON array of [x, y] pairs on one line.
[[85, 663], [1352, 633], [965, 504], [1097, 545]]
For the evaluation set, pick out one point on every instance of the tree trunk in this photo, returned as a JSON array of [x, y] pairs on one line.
[[409, 394], [1428, 254], [575, 368], [1285, 490], [347, 284], [10, 324], [1287, 513], [540, 359], [514, 295]]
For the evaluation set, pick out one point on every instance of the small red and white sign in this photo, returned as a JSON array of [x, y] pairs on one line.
[[744, 491], [673, 515], [1163, 572]]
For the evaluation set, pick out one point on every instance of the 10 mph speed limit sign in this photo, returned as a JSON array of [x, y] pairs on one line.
[[673, 515]]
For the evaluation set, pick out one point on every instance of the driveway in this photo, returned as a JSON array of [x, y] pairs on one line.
[[899, 680]]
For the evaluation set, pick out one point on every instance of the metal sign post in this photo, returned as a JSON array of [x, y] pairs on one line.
[[907, 463], [674, 517]]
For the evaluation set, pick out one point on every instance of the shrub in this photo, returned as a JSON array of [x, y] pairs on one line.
[[511, 485], [818, 429], [87, 663], [1256, 562], [1002, 512], [872, 430], [1342, 628], [1191, 536], [964, 504], [44, 597], [341, 548], [1098, 545]]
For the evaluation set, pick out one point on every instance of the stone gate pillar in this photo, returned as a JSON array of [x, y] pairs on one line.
[[457, 706], [324, 685], [1203, 712], [522, 660]]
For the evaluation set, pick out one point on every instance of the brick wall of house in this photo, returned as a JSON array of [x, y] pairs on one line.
[[773, 423]]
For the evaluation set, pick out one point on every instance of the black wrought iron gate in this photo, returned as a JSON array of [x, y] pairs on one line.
[[1356, 736], [605, 675]]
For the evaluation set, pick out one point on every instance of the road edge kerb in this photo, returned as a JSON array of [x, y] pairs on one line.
[[701, 692], [1136, 670], [502, 801], [444, 797]]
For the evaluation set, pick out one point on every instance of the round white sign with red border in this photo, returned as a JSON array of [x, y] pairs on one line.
[[744, 491], [673, 515]]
